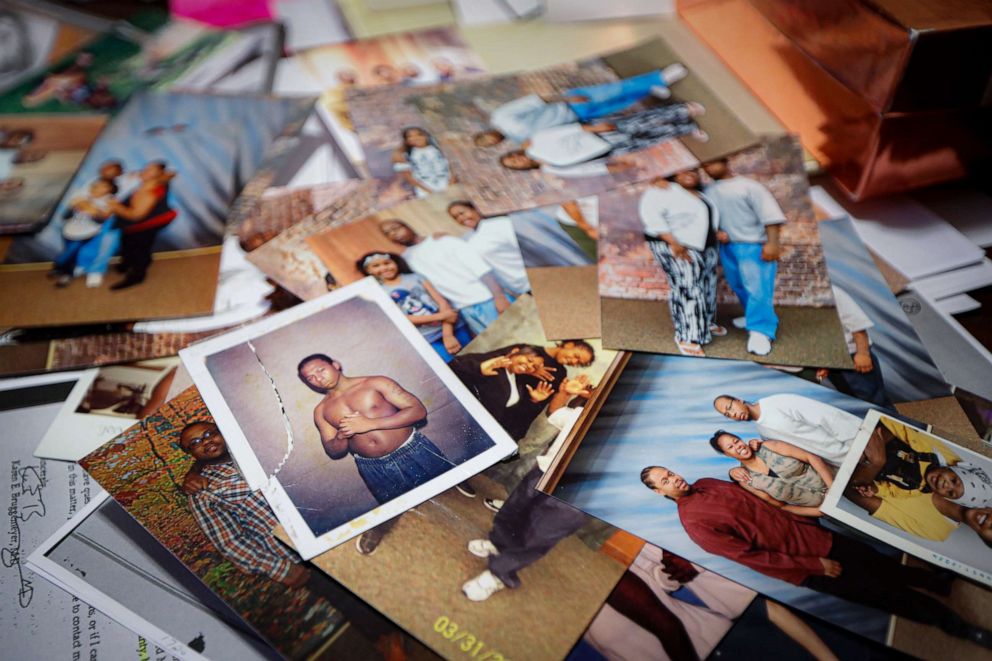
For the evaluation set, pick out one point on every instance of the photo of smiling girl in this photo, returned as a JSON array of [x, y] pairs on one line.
[[419, 300], [420, 163]]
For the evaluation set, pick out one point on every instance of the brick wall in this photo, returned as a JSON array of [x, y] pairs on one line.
[[628, 270]]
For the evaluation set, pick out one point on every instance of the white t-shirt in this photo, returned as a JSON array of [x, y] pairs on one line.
[[564, 419], [567, 145], [818, 428], [588, 207], [677, 211], [7, 158], [597, 168], [521, 118], [496, 241], [428, 166], [82, 226], [453, 267], [745, 207], [852, 317]]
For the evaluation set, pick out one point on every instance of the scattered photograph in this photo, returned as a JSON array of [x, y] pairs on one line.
[[735, 480], [722, 260], [450, 270], [391, 61], [38, 156], [918, 492], [138, 234], [104, 402], [341, 411], [174, 475], [287, 258], [889, 363], [493, 556], [558, 245], [104, 557], [548, 136]]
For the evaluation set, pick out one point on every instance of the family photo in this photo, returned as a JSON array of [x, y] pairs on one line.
[[734, 248], [494, 554], [548, 136], [450, 270], [137, 234], [737, 482], [340, 410], [918, 492]]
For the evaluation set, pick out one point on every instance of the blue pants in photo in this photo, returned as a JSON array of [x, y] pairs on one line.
[[753, 280], [615, 96], [416, 462], [479, 316], [461, 334]]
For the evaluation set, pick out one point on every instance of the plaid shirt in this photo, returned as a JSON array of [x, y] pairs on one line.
[[239, 523]]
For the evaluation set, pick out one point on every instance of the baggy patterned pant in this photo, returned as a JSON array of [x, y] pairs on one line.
[[644, 128], [693, 290]]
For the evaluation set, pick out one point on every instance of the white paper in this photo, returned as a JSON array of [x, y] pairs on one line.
[[37, 619], [221, 406], [596, 10], [957, 304], [907, 235], [957, 281]]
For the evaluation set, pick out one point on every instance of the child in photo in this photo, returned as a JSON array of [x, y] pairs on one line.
[[87, 216], [419, 300], [421, 164]]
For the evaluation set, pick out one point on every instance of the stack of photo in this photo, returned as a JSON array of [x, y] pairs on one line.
[[486, 330]]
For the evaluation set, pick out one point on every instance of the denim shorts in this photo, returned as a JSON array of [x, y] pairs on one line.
[[415, 462]]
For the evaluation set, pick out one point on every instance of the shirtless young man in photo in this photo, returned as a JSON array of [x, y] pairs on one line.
[[372, 418]]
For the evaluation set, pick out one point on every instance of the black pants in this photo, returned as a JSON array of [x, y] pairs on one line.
[[881, 582], [527, 527], [870, 387], [136, 252]]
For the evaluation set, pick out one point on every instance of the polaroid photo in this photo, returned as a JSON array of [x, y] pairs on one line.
[[548, 136], [449, 269], [297, 396], [920, 493], [139, 233], [558, 245], [105, 558], [551, 556], [104, 402], [722, 260]]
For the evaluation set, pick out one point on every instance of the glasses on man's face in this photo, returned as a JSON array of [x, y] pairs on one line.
[[202, 438]]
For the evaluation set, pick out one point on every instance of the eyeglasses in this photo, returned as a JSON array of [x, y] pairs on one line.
[[202, 438]]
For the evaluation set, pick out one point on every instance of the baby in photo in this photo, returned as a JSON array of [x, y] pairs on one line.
[[86, 216]]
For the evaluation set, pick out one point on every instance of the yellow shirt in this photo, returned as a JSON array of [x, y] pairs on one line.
[[920, 442], [916, 514]]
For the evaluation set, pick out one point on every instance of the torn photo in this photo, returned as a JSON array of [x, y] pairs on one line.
[[722, 260], [343, 413], [918, 492], [104, 402], [104, 557]]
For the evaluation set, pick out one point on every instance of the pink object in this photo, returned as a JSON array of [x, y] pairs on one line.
[[222, 13]]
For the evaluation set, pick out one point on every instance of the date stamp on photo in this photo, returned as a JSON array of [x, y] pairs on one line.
[[466, 641]]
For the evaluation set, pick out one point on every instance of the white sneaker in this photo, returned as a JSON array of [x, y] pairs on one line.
[[482, 548], [482, 586], [660, 92], [674, 73], [94, 280], [740, 322], [758, 343]]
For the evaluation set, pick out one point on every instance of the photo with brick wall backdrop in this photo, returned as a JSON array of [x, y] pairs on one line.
[[793, 304]]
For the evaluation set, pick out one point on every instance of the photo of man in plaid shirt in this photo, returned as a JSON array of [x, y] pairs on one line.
[[235, 519]]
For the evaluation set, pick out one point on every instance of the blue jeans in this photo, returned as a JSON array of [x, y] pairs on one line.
[[405, 468], [94, 256], [479, 316], [614, 96], [461, 334], [753, 280]]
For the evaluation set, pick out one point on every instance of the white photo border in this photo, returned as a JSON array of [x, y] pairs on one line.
[[306, 543], [831, 504]]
